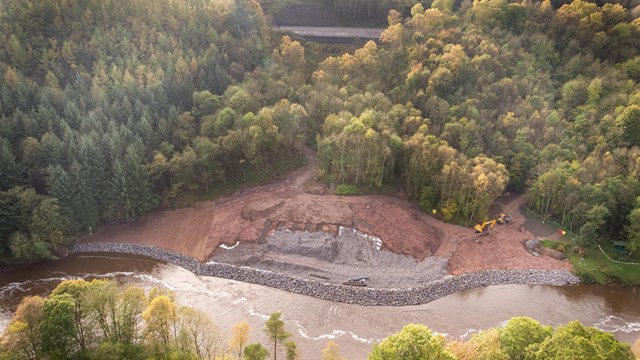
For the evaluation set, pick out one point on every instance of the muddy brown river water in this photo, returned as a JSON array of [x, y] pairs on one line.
[[313, 322]]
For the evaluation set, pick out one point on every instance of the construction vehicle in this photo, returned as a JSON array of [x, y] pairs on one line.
[[485, 227], [504, 219], [488, 225]]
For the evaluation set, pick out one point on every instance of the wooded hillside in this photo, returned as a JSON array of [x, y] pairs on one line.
[[108, 111], [462, 103], [111, 109]]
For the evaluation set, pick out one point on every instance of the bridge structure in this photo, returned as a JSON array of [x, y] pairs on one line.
[[334, 32]]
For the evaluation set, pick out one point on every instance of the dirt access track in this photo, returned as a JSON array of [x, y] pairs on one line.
[[252, 216]]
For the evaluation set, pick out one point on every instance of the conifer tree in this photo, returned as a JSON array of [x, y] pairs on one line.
[[274, 329], [11, 171]]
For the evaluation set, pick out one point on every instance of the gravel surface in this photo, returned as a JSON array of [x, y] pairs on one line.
[[318, 255], [341, 293]]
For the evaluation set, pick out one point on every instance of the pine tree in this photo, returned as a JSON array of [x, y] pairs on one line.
[[91, 156], [145, 200], [85, 204], [119, 193], [11, 171], [274, 329], [60, 186], [130, 193]]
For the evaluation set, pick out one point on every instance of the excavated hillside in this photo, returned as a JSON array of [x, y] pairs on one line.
[[294, 226]]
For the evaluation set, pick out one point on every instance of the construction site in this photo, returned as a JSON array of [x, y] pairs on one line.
[[297, 226]]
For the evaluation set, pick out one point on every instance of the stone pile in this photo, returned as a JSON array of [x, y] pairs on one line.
[[337, 292]]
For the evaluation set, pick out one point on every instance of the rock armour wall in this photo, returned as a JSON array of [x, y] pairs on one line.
[[337, 292]]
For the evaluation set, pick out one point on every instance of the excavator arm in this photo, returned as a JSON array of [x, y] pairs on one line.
[[485, 226]]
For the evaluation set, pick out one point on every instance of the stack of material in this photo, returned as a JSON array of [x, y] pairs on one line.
[[357, 281]]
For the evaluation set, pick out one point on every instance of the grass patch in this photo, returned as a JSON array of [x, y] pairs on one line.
[[555, 245], [595, 267], [347, 189]]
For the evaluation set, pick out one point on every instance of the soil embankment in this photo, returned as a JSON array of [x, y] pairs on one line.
[[316, 235]]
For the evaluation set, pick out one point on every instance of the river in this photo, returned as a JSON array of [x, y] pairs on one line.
[[313, 322]]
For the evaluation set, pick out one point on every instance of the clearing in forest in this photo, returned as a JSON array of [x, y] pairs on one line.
[[284, 228]]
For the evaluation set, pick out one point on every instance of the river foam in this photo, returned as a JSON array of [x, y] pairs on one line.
[[615, 324]]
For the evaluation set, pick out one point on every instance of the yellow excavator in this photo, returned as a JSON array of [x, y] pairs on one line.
[[488, 225], [485, 227]]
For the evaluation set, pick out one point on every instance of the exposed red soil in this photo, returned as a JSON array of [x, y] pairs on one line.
[[252, 214], [502, 249]]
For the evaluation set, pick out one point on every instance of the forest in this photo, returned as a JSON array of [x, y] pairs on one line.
[[110, 110], [99, 319]]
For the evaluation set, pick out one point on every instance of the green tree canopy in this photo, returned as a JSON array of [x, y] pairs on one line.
[[255, 351], [574, 341], [413, 342], [522, 333]]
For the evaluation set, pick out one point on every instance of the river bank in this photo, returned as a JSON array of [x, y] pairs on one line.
[[336, 292], [314, 321]]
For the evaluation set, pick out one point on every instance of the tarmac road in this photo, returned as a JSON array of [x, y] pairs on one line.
[[337, 32]]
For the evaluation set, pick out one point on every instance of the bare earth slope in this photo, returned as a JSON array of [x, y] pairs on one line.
[[282, 228]]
